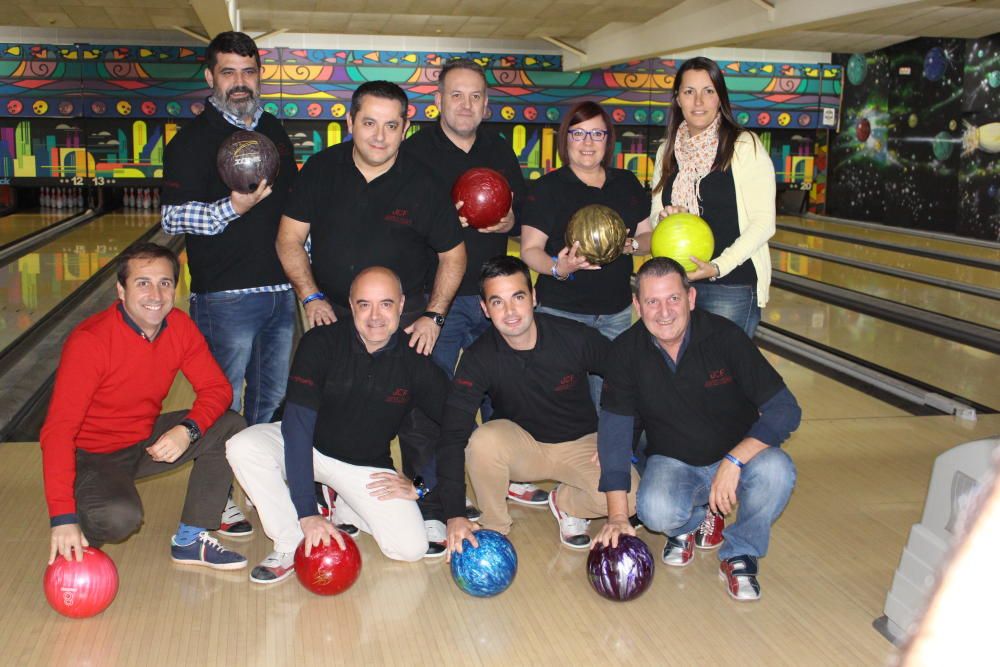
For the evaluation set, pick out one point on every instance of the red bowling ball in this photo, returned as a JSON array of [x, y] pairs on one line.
[[328, 570], [81, 589], [485, 194]]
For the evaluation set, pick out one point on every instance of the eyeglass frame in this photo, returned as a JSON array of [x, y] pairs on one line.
[[584, 134]]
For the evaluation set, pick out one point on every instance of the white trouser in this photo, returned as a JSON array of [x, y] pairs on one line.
[[257, 456]]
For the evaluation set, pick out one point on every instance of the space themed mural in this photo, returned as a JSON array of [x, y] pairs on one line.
[[919, 137]]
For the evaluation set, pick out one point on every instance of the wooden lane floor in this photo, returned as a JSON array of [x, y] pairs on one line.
[[903, 237], [16, 226], [970, 275], [863, 469], [960, 369], [941, 300], [33, 284]]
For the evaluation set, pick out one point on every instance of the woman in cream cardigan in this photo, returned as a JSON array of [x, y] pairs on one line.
[[710, 166]]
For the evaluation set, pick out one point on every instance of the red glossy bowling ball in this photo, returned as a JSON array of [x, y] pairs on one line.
[[485, 195], [246, 158], [81, 589], [328, 570]]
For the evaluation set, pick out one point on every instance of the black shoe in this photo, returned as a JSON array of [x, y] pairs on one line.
[[348, 529], [472, 512]]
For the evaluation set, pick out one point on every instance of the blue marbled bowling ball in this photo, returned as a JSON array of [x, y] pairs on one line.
[[488, 569]]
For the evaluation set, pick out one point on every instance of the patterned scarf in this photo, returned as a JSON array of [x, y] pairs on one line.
[[695, 156]]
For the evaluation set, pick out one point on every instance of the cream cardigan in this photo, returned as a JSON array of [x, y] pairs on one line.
[[753, 174]]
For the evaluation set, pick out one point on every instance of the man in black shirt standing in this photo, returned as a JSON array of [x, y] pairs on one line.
[[241, 300], [449, 148], [715, 413], [534, 369], [364, 204], [351, 386]]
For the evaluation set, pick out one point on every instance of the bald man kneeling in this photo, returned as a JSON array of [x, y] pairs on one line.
[[349, 389]]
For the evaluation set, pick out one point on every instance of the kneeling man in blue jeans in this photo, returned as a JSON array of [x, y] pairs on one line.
[[715, 413]]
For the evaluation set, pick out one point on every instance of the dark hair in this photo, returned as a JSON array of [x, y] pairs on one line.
[[146, 251], [460, 63], [384, 89], [501, 266], [231, 42], [660, 267], [729, 129], [581, 112]]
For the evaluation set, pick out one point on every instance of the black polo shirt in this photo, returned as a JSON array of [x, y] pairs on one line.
[[361, 398], [543, 390], [718, 209], [707, 406], [447, 162], [552, 201], [393, 221]]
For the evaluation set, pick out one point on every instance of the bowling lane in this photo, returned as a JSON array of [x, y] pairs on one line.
[[970, 275], [968, 307], [960, 369], [901, 237], [33, 284], [16, 226]]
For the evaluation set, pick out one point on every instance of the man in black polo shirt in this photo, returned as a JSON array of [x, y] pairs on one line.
[[715, 413], [448, 149], [534, 369], [240, 298], [351, 386], [364, 204]]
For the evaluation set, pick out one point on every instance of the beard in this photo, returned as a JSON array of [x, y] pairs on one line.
[[239, 108]]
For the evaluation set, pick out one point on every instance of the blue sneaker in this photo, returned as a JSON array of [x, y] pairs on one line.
[[207, 551]]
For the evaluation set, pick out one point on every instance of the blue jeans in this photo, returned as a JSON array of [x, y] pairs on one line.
[[250, 335], [672, 497], [609, 325], [464, 324], [737, 303]]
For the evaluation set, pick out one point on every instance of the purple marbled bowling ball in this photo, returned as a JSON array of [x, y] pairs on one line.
[[621, 573]]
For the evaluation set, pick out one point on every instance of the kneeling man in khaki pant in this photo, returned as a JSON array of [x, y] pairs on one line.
[[534, 369]]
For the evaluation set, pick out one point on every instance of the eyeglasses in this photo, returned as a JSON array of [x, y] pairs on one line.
[[597, 136]]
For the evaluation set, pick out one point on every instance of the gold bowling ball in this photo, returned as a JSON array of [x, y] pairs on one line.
[[600, 232]]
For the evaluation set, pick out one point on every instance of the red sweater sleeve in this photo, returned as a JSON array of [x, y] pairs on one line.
[[213, 393], [81, 367]]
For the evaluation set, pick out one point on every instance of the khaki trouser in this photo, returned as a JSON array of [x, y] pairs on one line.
[[500, 450]]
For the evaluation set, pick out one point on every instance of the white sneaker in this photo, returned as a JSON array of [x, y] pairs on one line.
[[527, 494], [572, 530], [234, 523], [278, 566], [437, 538]]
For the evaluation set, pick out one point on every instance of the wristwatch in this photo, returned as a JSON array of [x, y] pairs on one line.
[[718, 272], [634, 245], [194, 433], [437, 318], [421, 488]]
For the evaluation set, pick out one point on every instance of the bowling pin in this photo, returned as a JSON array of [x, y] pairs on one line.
[[128, 198], [146, 199], [43, 198], [156, 199]]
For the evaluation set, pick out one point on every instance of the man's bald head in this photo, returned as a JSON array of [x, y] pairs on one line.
[[375, 273], [377, 304]]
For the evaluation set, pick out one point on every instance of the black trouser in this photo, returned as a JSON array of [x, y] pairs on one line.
[[108, 504]]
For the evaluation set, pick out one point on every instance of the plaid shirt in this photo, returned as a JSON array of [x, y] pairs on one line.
[[211, 218]]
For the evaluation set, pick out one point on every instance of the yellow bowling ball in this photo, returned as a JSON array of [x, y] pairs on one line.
[[681, 236]]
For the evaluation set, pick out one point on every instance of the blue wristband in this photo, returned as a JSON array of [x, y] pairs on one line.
[[313, 297], [735, 461]]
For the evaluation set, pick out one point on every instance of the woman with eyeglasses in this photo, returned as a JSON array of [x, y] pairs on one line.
[[567, 285], [710, 166]]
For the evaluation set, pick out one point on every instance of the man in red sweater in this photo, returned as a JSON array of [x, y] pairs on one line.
[[104, 429]]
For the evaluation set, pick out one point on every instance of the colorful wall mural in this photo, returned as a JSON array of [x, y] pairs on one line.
[[918, 137], [102, 114]]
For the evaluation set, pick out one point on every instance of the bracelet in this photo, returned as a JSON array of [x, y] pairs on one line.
[[313, 297], [735, 461], [555, 274], [718, 272], [419, 487]]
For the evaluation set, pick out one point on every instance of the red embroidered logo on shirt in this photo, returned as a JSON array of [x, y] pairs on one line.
[[399, 216], [568, 382], [718, 378], [398, 396], [301, 380], [464, 382]]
